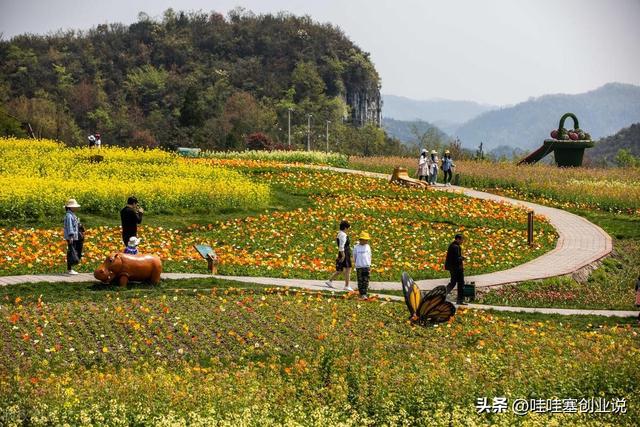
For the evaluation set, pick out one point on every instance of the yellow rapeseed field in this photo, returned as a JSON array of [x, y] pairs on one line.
[[37, 177]]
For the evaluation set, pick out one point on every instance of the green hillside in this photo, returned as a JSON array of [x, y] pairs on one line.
[[607, 148], [194, 79]]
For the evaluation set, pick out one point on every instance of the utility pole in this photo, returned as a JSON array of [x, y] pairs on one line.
[[289, 128], [309, 131], [327, 134]]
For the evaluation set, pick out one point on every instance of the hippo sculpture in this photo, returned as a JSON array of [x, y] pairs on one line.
[[122, 268]]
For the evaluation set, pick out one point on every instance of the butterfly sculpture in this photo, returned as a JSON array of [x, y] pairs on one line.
[[426, 306]]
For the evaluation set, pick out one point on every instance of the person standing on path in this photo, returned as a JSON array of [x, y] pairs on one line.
[[73, 234], [423, 166], [362, 259], [447, 167], [433, 167], [131, 216], [454, 263], [343, 262]]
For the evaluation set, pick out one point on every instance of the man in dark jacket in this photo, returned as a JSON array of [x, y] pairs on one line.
[[454, 263], [131, 216]]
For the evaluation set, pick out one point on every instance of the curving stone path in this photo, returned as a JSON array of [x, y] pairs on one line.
[[580, 243]]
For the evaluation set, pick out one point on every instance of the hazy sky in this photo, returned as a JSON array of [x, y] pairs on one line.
[[491, 51]]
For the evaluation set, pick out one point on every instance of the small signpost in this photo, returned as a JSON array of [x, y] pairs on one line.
[[530, 228], [209, 254]]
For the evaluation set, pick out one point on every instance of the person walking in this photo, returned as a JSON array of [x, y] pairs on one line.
[[343, 261], [447, 168], [73, 234], [433, 167], [454, 263], [362, 259], [130, 216], [423, 166]]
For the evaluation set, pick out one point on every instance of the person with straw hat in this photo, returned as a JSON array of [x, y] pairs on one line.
[[447, 167], [73, 234], [362, 257]]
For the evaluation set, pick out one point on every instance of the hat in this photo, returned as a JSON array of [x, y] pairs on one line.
[[434, 152], [364, 236], [71, 203], [134, 241], [424, 150], [97, 134], [446, 152]]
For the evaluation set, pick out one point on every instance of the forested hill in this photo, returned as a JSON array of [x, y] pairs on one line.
[[193, 79], [606, 149]]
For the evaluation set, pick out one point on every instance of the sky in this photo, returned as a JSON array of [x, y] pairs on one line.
[[496, 52]]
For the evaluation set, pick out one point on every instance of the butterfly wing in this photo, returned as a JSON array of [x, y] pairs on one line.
[[441, 312], [434, 308], [412, 295]]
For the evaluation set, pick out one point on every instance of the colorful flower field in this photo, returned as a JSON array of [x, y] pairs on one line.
[[302, 157], [410, 231], [278, 357], [610, 190]]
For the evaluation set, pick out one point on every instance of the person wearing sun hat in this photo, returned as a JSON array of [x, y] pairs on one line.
[[362, 258], [447, 167], [423, 169], [73, 234]]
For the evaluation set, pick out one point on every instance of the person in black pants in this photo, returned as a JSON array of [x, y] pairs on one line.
[[455, 265], [131, 216]]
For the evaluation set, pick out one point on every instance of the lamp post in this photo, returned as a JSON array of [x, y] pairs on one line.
[[309, 131], [327, 134], [289, 127]]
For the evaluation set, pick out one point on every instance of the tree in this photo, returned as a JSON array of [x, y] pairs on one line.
[[192, 110], [625, 159], [306, 82]]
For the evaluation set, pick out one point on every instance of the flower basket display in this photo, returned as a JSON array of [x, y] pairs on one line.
[[567, 145]]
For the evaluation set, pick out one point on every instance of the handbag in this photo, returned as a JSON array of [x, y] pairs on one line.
[[80, 231]]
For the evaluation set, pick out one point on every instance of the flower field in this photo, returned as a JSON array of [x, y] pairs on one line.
[[306, 157], [38, 177], [611, 190], [279, 357], [410, 230]]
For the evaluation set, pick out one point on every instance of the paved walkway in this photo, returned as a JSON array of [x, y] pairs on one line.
[[580, 243], [314, 285]]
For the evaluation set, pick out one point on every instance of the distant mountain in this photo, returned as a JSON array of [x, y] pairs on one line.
[[601, 112], [607, 148], [445, 113], [404, 130]]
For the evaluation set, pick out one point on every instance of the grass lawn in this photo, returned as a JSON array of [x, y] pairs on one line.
[[205, 351]]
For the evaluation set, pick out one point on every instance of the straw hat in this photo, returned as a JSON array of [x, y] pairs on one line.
[[364, 236], [434, 152], [71, 203], [447, 152]]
